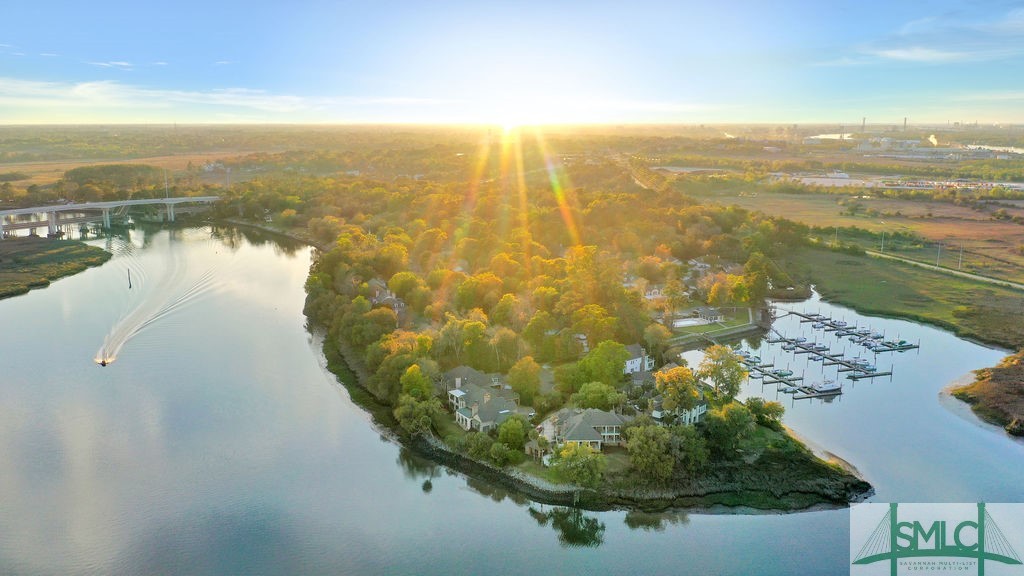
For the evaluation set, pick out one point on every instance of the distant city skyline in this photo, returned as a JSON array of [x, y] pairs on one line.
[[114, 61]]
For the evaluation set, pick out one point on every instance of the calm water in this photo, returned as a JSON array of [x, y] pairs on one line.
[[216, 443]]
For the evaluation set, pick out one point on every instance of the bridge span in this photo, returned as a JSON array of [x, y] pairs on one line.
[[52, 212]]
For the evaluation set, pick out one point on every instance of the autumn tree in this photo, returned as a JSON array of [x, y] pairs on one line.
[[524, 378], [723, 368], [415, 384], [678, 388]]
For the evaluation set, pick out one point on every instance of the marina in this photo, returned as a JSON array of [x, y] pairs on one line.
[[852, 367]]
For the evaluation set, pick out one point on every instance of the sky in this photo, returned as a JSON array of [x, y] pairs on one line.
[[511, 62]]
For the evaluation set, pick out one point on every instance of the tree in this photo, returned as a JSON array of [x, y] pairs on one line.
[[678, 387], [513, 432], [580, 464], [723, 368], [508, 312], [649, 453], [524, 378], [766, 413], [726, 427], [506, 345], [656, 337], [478, 445], [415, 416], [500, 454], [598, 395], [415, 384], [605, 363], [593, 321], [688, 447]]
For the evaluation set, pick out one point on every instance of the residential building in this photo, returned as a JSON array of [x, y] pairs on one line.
[[710, 314], [593, 427], [478, 401], [638, 360]]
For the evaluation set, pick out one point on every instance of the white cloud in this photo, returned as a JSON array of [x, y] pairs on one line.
[[118, 64], [921, 54], [36, 101], [953, 37]]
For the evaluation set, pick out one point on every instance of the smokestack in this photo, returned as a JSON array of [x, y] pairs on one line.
[[904, 123], [863, 123]]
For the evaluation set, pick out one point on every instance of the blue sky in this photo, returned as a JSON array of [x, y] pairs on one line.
[[511, 62]]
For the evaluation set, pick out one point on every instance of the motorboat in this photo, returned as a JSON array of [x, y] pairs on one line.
[[827, 387]]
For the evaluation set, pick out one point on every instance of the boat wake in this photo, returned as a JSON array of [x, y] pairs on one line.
[[167, 297]]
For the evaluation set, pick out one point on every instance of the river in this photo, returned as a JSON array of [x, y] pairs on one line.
[[217, 443]]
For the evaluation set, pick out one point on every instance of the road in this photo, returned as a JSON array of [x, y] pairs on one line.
[[950, 271]]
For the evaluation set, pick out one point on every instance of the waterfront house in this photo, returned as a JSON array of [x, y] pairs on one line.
[[478, 401], [593, 427]]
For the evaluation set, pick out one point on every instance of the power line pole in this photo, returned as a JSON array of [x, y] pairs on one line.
[[938, 254], [883, 241], [960, 262]]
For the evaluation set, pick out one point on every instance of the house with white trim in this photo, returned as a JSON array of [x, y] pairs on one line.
[[638, 360], [592, 427]]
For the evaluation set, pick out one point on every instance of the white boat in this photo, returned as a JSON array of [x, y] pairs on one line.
[[827, 387], [755, 376]]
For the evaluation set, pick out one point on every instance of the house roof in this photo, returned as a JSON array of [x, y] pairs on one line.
[[581, 426], [635, 351], [497, 410]]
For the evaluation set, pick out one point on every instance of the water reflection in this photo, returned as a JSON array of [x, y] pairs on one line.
[[656, 521], [575, 528], [234, 238]]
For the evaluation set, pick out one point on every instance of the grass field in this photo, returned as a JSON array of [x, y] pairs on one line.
[[970, 308], [43, 173], [990, 247], [27, 263]]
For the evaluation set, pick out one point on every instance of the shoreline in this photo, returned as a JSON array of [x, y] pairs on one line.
[[539, 490]]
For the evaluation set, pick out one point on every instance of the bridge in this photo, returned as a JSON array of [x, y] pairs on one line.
[[54, 221]]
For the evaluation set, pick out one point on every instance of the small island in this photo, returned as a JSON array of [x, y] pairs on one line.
[[34, 262], [997, 394]]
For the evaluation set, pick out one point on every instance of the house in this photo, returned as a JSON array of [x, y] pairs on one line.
[[710, 315], [593, 427], [654, 292], [383, 296], [478, 401], [638, 360], [677, 415]]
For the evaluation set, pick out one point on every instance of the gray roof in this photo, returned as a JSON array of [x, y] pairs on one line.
[[472, 376], [581, 426], [635, 350]]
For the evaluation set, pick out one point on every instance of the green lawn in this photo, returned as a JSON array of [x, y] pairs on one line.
[[884, 287]]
